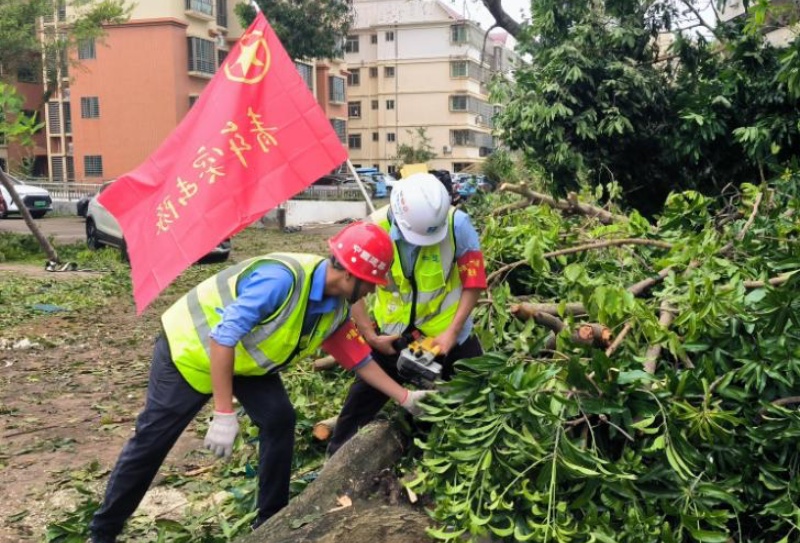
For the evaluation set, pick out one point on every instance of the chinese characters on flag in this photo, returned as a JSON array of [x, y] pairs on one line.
[[255, 137]]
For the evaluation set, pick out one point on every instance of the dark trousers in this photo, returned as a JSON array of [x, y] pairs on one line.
[[170, 406], [363, 402]]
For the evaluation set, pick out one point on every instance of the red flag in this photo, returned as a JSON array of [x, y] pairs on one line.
[[255, 137]]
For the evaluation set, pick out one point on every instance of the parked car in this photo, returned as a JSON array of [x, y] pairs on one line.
[[83, 205], [102, 229], [466, 184], [37, 200]]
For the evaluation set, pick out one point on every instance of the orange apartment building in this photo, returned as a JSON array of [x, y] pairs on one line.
[[130, 89]]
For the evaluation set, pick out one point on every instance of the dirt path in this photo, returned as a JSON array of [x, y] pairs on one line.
[[71, 385], [70, 388]]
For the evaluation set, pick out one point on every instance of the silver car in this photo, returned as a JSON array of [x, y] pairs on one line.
[[102, 229]]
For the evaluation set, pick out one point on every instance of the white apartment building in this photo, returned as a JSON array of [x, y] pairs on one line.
[[418, 64]]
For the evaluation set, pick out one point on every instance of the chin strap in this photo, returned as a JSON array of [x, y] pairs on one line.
[[354, 295]]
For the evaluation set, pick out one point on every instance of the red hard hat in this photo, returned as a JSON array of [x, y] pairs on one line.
[[365, 250]]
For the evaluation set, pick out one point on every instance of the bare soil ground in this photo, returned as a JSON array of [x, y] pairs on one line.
[[71, 385]]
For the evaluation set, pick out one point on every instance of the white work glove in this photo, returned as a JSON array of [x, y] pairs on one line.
[[411, 403], [221, 433]]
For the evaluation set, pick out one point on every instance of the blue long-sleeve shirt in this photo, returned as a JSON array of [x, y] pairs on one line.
[[261, 293]]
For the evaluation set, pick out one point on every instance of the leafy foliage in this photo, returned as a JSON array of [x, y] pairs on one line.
[[602, 88], [580, 445], [418, 151], [308, 29]]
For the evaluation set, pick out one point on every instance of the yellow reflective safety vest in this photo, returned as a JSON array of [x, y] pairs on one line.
[[275, 342], [435, 286]]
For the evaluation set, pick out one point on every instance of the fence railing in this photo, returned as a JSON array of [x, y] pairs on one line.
[[65, 191], [71, 192]]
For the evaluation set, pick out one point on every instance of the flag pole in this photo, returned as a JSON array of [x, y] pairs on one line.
[[361, 186]]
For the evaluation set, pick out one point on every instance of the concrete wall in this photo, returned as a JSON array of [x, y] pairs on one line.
[[300, 212]]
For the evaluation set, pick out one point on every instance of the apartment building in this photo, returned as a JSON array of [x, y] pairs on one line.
[[420, 65], [780, 28], [109, 111]]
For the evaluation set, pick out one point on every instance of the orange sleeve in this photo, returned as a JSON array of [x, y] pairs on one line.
[[347, 346], [472, 270]]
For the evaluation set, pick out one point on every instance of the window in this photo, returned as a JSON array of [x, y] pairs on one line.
[[389, 104], [354, 109], [388, 71], [351, 44], [373, 38], [458, 103], [26, 74], [53, 118], [93, 166], [458, 68], [373, 72], [222, 13], [390, 36], [340, 127], [2, 134], [67, 110], [354, 141], [374, 104], [461, 137], [192, 99], [306, 71], [222, 54], [461, 166], [375, 136], [200, 6], [354, 78], [90, 107], [86, 49], [201, 56], [336, 89], [390, 137], [458, 34]]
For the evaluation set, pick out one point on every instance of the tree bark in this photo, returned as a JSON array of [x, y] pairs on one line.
[[358, 470], [503, 19]]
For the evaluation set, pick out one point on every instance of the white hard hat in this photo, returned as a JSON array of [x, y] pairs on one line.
[[420, 204]]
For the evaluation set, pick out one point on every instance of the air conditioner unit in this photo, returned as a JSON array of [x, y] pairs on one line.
[[220, 40], [447, 150]]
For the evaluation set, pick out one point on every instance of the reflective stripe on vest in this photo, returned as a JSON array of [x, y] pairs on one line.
[[272, 344], [438, 286]]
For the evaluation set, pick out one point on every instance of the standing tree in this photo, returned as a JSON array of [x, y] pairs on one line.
[[307, 28], [418, 151], [604, 85]]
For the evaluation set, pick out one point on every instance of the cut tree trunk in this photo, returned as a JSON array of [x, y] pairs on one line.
[[362, 471], [323, 430]]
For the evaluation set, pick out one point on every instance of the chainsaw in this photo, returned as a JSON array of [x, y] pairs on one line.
[[417, 361]]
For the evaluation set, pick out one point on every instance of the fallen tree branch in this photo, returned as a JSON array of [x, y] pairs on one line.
[[581, 248], [601, 214], [526, 311], [502, 210], [774, 281], [665, 318], [728, 247], [618, 340]]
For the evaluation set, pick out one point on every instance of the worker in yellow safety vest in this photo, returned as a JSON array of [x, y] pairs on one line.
[[436, 278], [230, 336]]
